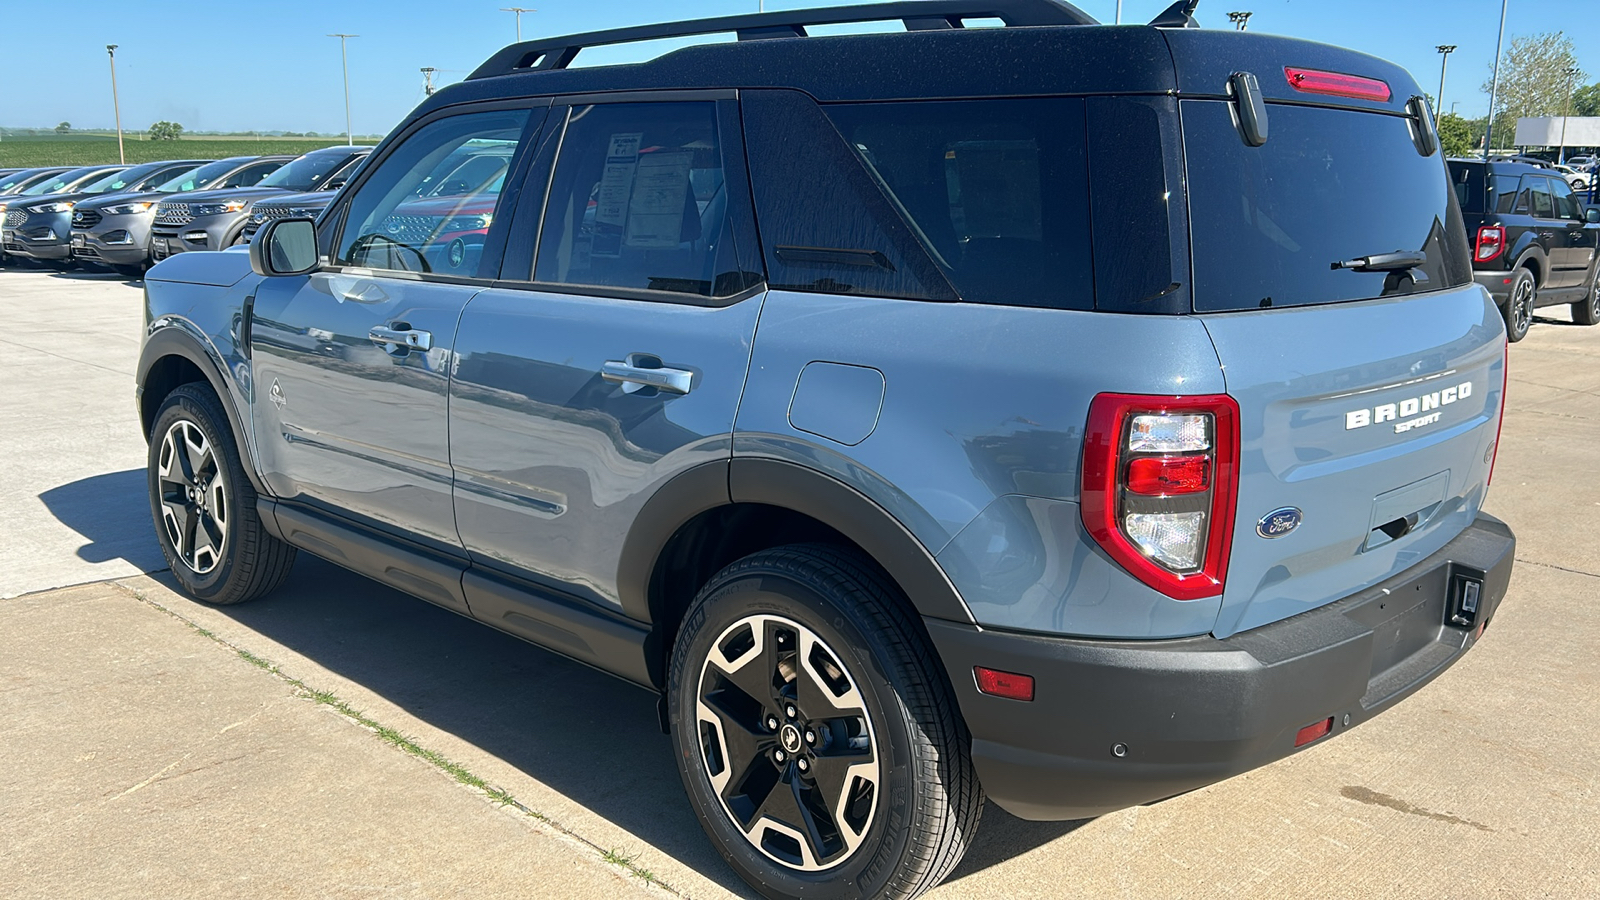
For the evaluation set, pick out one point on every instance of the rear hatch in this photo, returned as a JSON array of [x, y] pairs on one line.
[[1369, 398]]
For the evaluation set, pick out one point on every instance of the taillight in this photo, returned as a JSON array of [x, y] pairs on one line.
[[1160, 478], [1491, 243], [1336, 84]]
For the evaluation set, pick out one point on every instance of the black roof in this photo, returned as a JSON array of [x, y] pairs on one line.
[[1047, 48]]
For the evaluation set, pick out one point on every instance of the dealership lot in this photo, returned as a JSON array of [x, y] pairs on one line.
[[132, 778]]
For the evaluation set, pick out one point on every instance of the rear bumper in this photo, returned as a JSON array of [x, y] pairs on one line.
[[1121, 723], [1497, 283]]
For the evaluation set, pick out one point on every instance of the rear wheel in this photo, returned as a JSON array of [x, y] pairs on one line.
[[1587, 311], [1519, 305], [205, 507], [816, 733]]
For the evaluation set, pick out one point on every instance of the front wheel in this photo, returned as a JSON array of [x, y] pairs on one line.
[[816, 733], [1519, 305], [205, 507], [1587, 310]]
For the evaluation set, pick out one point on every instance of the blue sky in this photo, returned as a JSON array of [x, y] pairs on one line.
[[269, 66]]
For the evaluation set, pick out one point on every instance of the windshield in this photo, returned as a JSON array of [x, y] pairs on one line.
[[1278, 225], [196, 179], [15, 178], [306, 173], [63, 182], [183, 176], [125, 179]]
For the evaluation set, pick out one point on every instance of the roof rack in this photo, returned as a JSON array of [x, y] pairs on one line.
[[917, 15]]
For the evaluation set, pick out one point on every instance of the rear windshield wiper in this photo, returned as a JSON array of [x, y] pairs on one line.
[[1385, 262]]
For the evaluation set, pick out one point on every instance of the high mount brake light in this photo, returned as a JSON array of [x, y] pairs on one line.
[[1491, 243], [1335, 84], [1160, 483]]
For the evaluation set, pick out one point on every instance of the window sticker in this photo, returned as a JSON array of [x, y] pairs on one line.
[[611, 200], [660, 192]]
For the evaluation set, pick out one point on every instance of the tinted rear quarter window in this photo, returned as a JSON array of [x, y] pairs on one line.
[[1330, 185], [1468, 181]]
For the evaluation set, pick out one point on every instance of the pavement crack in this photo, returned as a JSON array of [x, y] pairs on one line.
[[1545, 565], [153, 778], [1374, 798], [69, 359]]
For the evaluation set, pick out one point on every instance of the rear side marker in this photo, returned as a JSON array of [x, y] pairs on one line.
[[1009, 685], [1313, 731]]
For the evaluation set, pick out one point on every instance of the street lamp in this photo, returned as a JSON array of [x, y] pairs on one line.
[[427, 75], [349, 136], [116, 108], [1494, 82], [519, 10], [1566, 111], [1239, 20], [1444, 59]]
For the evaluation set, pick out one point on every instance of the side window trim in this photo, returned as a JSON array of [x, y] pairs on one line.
[[521, 259], [336, 216]]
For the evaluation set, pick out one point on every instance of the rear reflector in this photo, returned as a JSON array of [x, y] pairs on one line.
[[1335, 84], [1311, 732], [1009, 685]]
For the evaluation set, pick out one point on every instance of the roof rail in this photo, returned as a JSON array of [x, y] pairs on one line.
[[918, 15]]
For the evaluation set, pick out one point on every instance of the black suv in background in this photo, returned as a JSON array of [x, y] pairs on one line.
[[1533, 242]]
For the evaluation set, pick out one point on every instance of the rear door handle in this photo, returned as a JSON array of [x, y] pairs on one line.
[[407, 337], [637, 373]]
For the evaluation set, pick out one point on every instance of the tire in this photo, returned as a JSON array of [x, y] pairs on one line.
[[1518, 310], [1587, 311], [869, 690], [204, 506]]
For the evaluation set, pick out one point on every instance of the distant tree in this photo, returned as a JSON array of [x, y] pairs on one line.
[[1536, 76], [1455, 135], [1586, 101], [64, 128], [165, 131], [311, 134]]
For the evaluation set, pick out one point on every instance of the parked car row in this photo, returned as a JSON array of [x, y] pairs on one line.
[[129, 217]]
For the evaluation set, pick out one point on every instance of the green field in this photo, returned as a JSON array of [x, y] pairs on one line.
[[91, 149]]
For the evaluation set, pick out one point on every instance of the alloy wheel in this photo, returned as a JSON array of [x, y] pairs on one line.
[[1522, 304], [788, 743], [194, 497]]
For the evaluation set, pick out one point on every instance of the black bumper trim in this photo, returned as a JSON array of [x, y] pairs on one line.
[[1121, 723]]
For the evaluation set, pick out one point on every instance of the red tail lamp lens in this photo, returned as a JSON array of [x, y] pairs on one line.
[[1311, 732], [1160, 476], [1491, 243], [1335, 84], [1009, 685]]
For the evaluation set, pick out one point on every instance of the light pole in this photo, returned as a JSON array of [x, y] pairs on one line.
[[519, 10], [1444, 59], [1119, 12], [1566, 110], [349, 136], [427, 75], [1494, 82], [116, 108]]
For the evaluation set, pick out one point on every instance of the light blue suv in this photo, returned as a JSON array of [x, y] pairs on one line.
[[1070, 414]]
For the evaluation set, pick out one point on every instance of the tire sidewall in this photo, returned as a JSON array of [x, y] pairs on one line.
[[756, 592], [192, 404], [1513, 333]]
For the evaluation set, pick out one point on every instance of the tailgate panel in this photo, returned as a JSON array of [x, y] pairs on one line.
[[1375, 419]]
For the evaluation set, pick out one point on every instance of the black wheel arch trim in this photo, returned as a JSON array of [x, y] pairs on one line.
[[174, 340], [796, 488]]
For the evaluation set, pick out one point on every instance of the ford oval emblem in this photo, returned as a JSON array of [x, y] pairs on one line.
[[1278, 523]]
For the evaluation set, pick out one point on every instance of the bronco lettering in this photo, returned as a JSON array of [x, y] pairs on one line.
[[1389, 412]]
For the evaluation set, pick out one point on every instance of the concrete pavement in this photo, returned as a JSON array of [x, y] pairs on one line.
[[1481, 785]]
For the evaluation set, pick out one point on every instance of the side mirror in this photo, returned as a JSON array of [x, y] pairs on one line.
[[284, 247], [1592, 215]]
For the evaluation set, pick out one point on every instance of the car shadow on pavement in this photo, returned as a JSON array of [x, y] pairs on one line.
[[112, 511], [589, 736]]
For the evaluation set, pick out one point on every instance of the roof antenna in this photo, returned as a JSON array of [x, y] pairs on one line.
[[1178, 15]]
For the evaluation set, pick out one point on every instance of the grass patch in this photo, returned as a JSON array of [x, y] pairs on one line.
[[89, 150], [462, 775]]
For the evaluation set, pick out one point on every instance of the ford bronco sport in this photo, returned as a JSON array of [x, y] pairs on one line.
[[1065, 414]]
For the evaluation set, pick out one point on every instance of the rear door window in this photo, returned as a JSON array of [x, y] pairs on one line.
[[1540, 203], [1271, 223]]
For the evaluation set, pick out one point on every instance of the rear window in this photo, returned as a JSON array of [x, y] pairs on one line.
[[1271, 223], [1467, 179]]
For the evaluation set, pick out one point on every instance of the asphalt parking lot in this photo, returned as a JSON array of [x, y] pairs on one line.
[[342, 740]]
